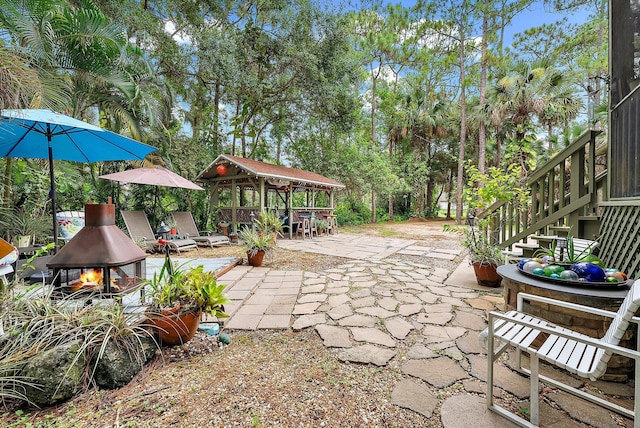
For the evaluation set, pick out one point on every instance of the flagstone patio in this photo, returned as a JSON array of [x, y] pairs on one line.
[[379, 302]]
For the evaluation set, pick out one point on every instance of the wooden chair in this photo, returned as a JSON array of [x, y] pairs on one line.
[[303, 229], [313, 228], [577, 353], [332, 227]]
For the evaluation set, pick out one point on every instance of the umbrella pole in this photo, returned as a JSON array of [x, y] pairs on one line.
[[52, 195]]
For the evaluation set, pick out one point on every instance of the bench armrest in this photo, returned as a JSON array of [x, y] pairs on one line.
[[561, 332]]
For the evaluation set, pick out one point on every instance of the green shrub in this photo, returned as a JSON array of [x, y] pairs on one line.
[[38, 323]]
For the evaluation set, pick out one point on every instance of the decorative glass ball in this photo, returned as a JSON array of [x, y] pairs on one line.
[[522, 262], [568, 275], [589, 271], [530, 266]]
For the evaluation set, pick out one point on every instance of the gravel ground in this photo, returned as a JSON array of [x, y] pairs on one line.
[[263, 378]]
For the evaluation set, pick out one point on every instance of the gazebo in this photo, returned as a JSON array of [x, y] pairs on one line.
[[241, 187]]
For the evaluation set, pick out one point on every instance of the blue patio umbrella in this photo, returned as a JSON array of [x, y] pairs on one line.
[[43, 134]]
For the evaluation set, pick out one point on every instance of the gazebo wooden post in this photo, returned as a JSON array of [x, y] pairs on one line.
[[289, 204], [263, 198], [214, 198], [331, 201], [234, 206], [313, 198]]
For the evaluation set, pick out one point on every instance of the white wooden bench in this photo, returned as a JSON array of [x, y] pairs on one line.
[[577, 353]]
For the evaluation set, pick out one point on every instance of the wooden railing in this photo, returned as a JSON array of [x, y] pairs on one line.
[[564, 191]]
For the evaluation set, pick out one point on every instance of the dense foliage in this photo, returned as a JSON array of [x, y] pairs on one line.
[[393, 101]]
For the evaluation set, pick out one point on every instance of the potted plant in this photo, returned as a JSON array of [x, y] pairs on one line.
[[171, 224], [268, 224], [25, 228], [481, 191], [322, 226], [256, 245], [485, 258], [178, 296]]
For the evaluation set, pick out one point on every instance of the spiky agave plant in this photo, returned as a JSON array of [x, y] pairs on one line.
[[36, 323]]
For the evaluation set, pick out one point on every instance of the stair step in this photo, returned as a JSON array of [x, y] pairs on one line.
[[544, 241], [589, 218], [528, 250], [526, 246], [562, 231]]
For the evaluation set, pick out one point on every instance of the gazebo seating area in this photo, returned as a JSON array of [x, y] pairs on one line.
[[250, 187]]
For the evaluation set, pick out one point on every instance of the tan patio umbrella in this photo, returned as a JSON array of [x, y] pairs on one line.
[[155, 176]]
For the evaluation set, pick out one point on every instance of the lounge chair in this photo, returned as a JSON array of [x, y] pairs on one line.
[[140, 231], [187, 226]]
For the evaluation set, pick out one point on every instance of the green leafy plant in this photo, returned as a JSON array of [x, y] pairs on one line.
[[570, 253], [33, 323], [254, 242], [322, 225], [22, 223], [192, 288], [497, 184], [268, 223], [479, 246], [482, 251]]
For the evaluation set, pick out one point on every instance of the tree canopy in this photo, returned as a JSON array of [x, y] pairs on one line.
[[391, 100]]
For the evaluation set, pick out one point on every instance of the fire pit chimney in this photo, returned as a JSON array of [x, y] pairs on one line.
[[100, 251]]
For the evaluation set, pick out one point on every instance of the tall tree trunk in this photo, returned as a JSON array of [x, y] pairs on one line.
[[233, 141], [373, 206], [430, 186], [216, 118], [373, 108], [482, 141], [463, 130], [373, 140], [391, 140]]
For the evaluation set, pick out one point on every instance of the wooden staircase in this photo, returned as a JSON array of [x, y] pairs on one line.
[[565, 194]]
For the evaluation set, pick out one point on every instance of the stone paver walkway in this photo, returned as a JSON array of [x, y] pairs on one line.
[[368, 307]]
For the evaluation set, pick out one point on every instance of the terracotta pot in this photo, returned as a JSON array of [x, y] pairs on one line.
[[486, 275], [256, 259], [174, 327]]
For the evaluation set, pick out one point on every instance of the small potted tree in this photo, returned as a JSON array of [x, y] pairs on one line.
[[481, 191], [178, 296]]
